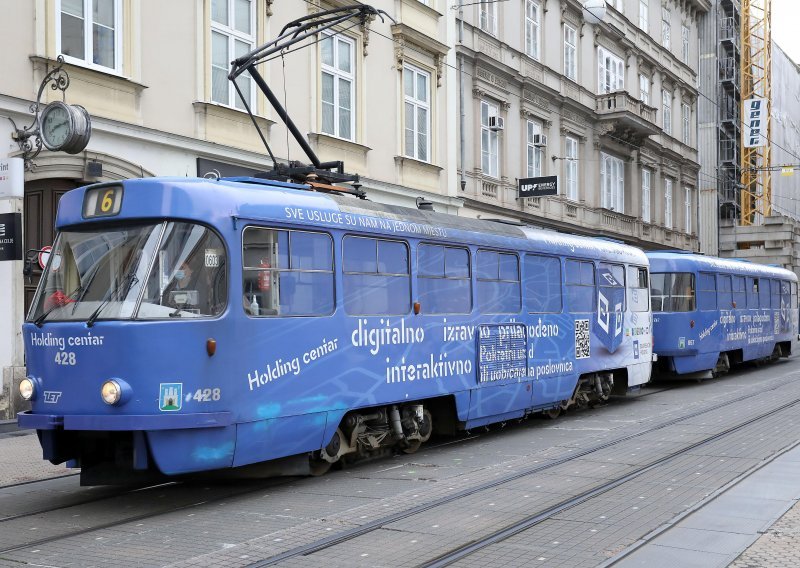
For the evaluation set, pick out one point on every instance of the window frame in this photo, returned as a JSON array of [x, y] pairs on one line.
[[534, 156], [644, 20], [610, 71], [687, 210], [686, 113], [668, 203], [593, 286], [467, 278], [666, 28], [338, 75], [612, 183], [633, 286], [571, 167], [666, 111], [417, 104], [233, 35], [647, 179], [478, 279], [88, 43], [533, 29], [570, 53], [487, 16], [277, 270], [377, 240], [644, 88], [685, 44], [527, 306], [492, 139]]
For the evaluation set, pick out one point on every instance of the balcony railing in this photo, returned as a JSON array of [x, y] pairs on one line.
[[621, 101]]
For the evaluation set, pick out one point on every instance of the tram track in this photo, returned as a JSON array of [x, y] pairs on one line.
[[372, 526], [377, 524]]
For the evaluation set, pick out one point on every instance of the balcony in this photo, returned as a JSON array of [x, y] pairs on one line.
[[630, 118]]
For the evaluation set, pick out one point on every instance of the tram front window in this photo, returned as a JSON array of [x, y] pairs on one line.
[[176, 269]]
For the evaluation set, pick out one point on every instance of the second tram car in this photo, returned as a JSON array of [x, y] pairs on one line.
[[185, 325], [710, 313]]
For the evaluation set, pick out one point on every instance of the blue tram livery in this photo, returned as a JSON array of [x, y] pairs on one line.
[[710, 313], [186, 325]]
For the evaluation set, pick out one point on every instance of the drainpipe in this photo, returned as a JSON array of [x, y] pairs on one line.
[[462, 115]]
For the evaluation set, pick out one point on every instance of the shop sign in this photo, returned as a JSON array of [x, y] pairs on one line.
[[10, 236]]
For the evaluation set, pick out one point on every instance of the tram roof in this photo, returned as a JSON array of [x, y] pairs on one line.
[[214, 201], [684, 260]]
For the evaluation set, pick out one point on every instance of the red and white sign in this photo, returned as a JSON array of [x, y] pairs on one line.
[[44, 256]]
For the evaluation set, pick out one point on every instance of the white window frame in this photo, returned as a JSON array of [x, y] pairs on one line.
[[417, 105], [685, 119], [487, 16], [666, 28], [610, 72], [233, 35], [687, 208], [647, 177], [666, 110], [338, 74], [644, 88], [570, 52], [534, 157], [533, 21], [667, 203], [571, 167], [617, 4], [88, 44], [612, 183], [685, 44], [644, 10], [490, 144]]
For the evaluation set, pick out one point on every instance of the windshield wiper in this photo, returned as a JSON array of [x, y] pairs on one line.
[[38, 321], [127, 282]]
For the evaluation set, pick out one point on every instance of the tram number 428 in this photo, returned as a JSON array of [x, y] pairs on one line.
[[65, 358]]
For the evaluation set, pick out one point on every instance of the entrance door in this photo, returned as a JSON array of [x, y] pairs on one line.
[[40, 207]]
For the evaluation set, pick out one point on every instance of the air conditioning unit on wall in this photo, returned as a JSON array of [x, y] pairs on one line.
[[540, 140], [496, 123]]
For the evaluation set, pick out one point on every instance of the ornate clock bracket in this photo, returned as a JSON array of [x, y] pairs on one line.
[[30, 139]]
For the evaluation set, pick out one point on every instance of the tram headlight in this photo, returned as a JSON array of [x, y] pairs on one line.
[[111, 392], [27, 389]]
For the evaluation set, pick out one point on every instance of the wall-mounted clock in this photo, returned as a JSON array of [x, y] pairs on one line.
[[65, 128]]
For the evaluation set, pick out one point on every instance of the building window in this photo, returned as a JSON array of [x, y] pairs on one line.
[[535, 153], [90, 31], [668, 203], [644, 89], [571, 167], [643, 10], [611, 70], [338, 86], [532, 21], [685, 114], [618, 4], [612, 183], [685, 44], [687, 208], [646, 177], [570, 53], [232, 35], [488, 16], [665, 28], [416, 89], [666, 105], [489, 143]]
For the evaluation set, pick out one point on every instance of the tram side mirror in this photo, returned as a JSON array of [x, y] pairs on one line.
[[30, 256]]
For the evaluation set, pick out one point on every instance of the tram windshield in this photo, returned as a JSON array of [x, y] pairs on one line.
[[672, 292], [163, 270]]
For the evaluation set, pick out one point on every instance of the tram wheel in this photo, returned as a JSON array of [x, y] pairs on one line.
[[553, 413], [318, 466], [412, 446]]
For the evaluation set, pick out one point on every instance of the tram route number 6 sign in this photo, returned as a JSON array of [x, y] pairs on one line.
[[10, 236]]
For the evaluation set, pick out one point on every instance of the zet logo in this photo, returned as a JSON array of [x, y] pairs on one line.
[[170, 397], [51, 397]]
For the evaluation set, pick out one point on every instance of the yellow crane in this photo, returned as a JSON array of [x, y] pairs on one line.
[[756, 65]]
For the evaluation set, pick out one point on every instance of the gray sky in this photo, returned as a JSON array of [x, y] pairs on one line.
[[785, 31]]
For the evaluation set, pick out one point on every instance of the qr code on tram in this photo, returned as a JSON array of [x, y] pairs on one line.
[[582, 345]]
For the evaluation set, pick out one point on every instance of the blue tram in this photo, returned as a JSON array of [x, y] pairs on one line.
[[710, 313], [185, 325]]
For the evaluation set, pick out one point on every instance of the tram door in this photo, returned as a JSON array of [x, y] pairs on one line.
[[40, 208]]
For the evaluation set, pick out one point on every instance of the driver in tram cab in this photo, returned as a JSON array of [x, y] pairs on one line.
[[188, 289]]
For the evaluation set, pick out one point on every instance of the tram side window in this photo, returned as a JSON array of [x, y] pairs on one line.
[[638, 289], [752, 292], [786, 298], [725, 292], [763, 292], [706, 292], [498, 282], [580, 286], [673, 292], [444, 279], [794, 295], [287, 273], [611, 276], [739, 292], [376, 276], [542, 284], [776, 294]]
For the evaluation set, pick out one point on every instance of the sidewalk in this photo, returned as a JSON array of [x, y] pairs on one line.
[[737, 528], [21, 457]]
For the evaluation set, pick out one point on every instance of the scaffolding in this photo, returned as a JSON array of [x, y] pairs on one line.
[[756, 79], [729, 99]]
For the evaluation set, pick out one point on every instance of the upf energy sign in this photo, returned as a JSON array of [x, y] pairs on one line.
[[538, 186], [10, 236], [755, 123]]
